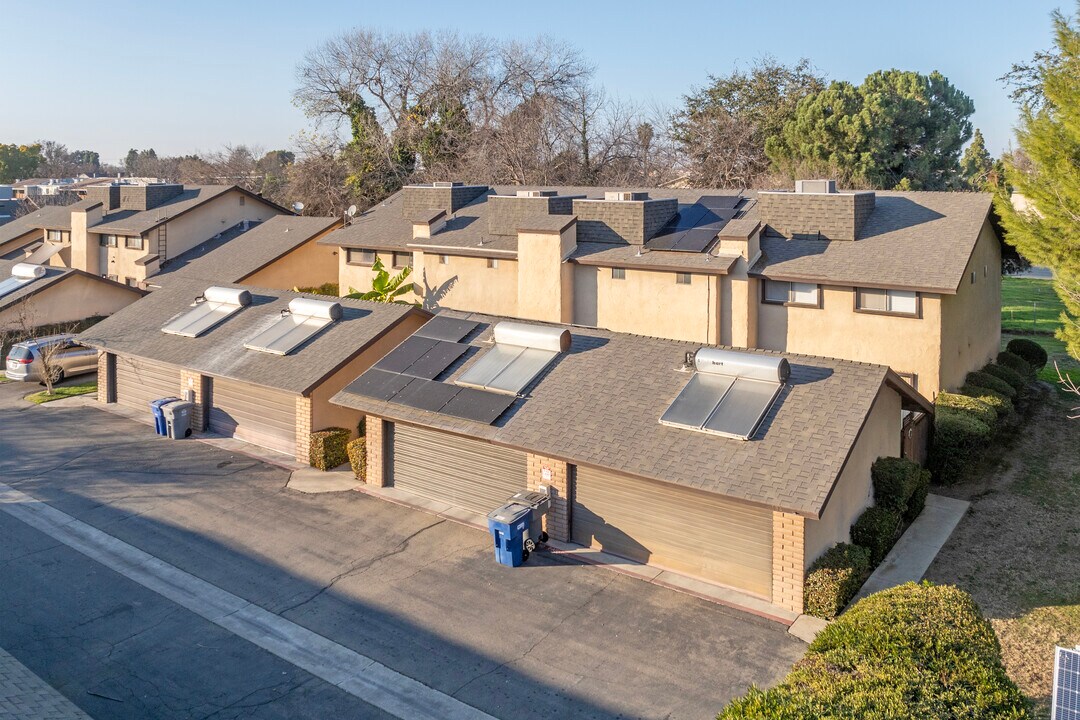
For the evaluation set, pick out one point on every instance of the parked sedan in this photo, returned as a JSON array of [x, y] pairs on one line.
[[66, 357]]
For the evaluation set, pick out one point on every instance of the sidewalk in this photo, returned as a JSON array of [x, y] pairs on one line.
[[25, 696]]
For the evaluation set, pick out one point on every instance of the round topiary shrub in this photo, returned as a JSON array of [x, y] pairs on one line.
[[1018, 381], [1030, 351], [958, 438], [1018, 364], [988, 381], [834, 578], [1001, 404], [963, 403], [876, 530]]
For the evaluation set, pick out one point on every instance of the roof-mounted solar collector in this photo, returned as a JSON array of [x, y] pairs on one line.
[[304, 319], [21, 274], [521, 352], [211, 309]]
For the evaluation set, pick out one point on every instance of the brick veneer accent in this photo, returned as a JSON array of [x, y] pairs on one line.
[[788, 562], [375, 445], [622, 221], [830, 216], [303, 429], [200, 413], [103, 390], [557, 521]]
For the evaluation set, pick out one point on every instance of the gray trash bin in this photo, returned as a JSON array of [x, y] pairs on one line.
[[177, 419], [540, 503]]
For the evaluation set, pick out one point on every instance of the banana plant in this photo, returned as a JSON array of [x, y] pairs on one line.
[[385, 288]]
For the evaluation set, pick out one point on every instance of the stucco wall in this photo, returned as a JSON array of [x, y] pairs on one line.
[[906, 344], [309, 265], [854, 491], [545, 281], [648, 302], [120, 260], [209, 219], [467, 283], [971, 319], [325, 414], [76, 297]]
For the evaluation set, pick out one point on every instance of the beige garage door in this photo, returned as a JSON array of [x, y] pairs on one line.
[[257, 415], [678, 528], [466, 473], [140, 381]]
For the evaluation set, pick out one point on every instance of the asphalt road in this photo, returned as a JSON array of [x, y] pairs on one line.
[[418, 595]]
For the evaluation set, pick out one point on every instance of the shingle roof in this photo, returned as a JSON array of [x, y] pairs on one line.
[[136, 331], [235, 257], [918, 240], [53, 276], [133, 222], [52, 216], [600, 405], [607, 255]]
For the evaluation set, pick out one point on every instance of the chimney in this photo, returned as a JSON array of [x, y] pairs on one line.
[[815, 211], [108, 195], [147, 196], [622, 217], [507, 212], [448, 196]]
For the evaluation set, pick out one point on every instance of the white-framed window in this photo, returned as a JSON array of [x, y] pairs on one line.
[[133, 243], [359, 256], [108, 240], [781, 292], [493, 263], [444, 259], [682, 278], [56, 236], [892, 302], [402, 259], [618, 273]]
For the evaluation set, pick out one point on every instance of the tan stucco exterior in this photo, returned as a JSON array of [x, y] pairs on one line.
[[854, 491], [545, 285], [309, 265], [75, 297], [207, 220]]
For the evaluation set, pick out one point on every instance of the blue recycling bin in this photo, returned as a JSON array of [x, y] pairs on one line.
[[509, 525], [159, 417]]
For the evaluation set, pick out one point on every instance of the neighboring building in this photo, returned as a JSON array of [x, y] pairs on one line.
[[736, 473], [909, 280], [186, 337], [28, 231], [35, 295], [47, 187]]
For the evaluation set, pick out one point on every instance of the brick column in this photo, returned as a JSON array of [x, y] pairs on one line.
[[104, 391], [193, 381], [788, 568], [555, 474], [303, 429], [375, 434]]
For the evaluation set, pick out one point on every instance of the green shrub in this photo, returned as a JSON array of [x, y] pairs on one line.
[[876, 530], [1016, 380], [1018, 364], [834, 578], [990, 382], [918, 498], [1030, 351], [894, 482], [958, 438], [1002, 405], [357, 452], [326, 449], [913, 651], [963, 403]]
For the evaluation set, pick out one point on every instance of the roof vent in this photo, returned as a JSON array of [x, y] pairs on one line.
[[536, 193], [446, 184], [815, 186], [625, 196]]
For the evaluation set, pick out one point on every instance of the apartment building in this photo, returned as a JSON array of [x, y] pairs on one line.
[[910, 280]]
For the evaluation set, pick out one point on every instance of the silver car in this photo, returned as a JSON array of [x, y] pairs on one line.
[[24, 360]]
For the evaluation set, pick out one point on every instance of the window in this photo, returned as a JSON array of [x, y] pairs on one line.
[[56, 236], [133, 243], [444, 259], [356, 256], [114, 278], [682, 278], [131, 281], [107, 240], [243, 200], [779, 292], [911, 379], [893, 302], [618, 273], [493, 263], [402, 259], [973, 274]]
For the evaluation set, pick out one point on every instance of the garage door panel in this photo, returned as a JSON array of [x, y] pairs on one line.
[[140, 381], [674, 527], [254, 414], [469, 474]]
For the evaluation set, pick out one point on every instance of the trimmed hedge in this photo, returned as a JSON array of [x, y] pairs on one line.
[[1018, 364], [895, 480], [876, 530], [963, 403], [1017, 380], [958, 437], [913, 651], [1002, 405], [357, 452], [1030, 351], [990, 382], [326, 449], [918, 498], [834, 578]]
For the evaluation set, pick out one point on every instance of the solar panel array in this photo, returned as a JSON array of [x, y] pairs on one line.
[[1065, 703], [204, 317], [695, 227]]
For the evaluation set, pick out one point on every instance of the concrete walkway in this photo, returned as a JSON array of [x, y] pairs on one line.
[[25, 696], [917, 548]]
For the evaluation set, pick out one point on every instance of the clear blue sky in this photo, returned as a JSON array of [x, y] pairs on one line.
[[193, 75]]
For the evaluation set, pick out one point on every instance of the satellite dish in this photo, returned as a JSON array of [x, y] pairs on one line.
[[298, 206], [351, 210]]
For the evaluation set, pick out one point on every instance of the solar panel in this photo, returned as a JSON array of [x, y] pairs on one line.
[[695, 240], [11, 284], [697, 400], [436, 360], [519, 373], [405, 354], [448, 329], [720, 202], [21, 274], [479, 405], [378, 384], [423, 394], [304, 319], [1065, 701], [488, 366], [665, 241], [742, 408]]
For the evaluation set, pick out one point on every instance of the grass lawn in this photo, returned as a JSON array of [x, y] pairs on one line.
[[1018, 297], [59, 393]]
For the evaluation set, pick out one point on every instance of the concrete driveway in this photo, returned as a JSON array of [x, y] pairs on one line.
[[417, 596]]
